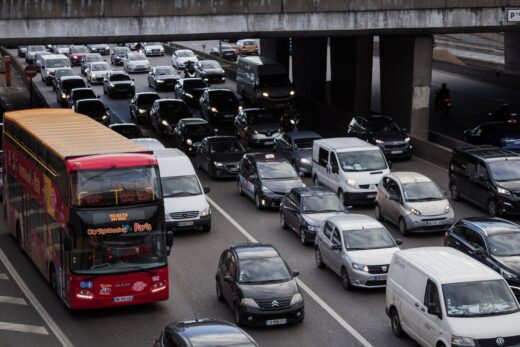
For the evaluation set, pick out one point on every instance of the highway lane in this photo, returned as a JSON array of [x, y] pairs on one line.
[[194, 262]]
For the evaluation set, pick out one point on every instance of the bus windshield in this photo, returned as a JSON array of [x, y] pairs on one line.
[[115, 186]]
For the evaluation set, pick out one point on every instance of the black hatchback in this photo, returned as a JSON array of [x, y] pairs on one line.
[[189, 132], [219, 156], [383, 132], [258, 285], [190, 90], [93, 108], [492, 241]]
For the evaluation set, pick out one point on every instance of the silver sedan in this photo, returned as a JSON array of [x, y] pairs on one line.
[[413, 202]]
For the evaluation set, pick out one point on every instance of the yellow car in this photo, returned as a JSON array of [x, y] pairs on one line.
[[247, 46]]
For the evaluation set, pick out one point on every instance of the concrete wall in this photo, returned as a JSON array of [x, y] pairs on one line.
[[49, 21]]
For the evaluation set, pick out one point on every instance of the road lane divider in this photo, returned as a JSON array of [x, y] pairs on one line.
[[24, 328], [302, 285], [4, 276], [12, 300], [60, 335]]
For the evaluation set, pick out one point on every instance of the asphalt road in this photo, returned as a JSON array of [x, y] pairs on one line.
[[193, 265]]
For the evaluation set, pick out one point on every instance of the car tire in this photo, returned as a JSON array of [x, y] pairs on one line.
[[206, 228], [454, 191], [236, 314], [402, 227], [345, 279], [257, 201], [303, 239], [239, 188], [341, 196], [318, 258], [492, 208], [377, 213], [316, 181], [395, 321]]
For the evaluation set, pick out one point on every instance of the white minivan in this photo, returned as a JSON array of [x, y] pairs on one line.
[[441, 297], [349, 166], [185, 204], [50, 63]]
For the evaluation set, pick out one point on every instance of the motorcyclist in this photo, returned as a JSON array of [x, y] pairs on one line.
[[442, 93], [189, 70]]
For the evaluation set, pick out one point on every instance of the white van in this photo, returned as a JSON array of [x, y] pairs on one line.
[[441, 297], [50, 63], [349, 166], [185, 204]]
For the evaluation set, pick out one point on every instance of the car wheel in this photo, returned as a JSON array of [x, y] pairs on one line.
[[377, 213], [402, 227], [319, 260], [396, 323], [257, 201], [341, 196], [239, 188], [236, 313], [220, 297], [283, 223], [454, 191], [492, 208], [315, 181], [206, 228], [345, 279], [303, 239]]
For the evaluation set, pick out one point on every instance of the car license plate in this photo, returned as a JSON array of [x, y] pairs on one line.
[[396, 152], [268, 142], [185, 224], [123, 298], [371, 196], [276, 321], [433, 222], [229, 115], [379, 278]]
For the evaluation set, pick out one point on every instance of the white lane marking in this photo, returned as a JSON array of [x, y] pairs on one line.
[[62, 338], [24, 328], [12, 300], [4, 276], [305, 288]]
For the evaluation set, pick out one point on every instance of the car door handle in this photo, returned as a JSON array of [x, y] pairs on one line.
[[422, 309], [416, 305]]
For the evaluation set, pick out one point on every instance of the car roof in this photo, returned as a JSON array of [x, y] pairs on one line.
[[262, 157], [221, 138], [303, 134], [201, 329], [89, 101], [255, 251], [191, 79], [68, 78], [448, 265], [121, 125], [160, 101], [487, 152], [493, 226], [74, 90], [147, 93], [409, 176], [193, 121], [119, 72], [312, 191], [220, 90], [355, 222], [54, 56], [347, 144], [183, 50]]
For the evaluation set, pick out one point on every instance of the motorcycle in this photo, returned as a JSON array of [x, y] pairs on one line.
[[290, 119], [190, 71], [443, 104]]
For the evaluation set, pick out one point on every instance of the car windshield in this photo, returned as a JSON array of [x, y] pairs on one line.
[[382, 124], [121, 50], [305, 143], [274, 80], [422, 191], [93, 57], [361, 161], [195, 83], [174, 110], [479, 299], [263, 270], [232, 146], [210, 64], [167, 70], [258, 117], [36, 48], [62, 46], [226, 47], [185, 54], [367, 239], [120, 77], [54, 63], [505, 170], [94, 108], [136, 57], [176, 186], [147, 99], [198, 129], [128, 131], [100, 67], [276, 170], [115, 187], [75, 83], [83, 94], [78, 49], [505, 245], [223, 98], [321, 204]]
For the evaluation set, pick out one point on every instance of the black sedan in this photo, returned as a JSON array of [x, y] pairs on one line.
[[128, 130], [219, 105], [166, 113], [219, 156], [189, 132], [266, 178], [80, 94], [141, 104], [304, 209], [101, 48], [210, 71], [58, 74], [65, 85], [258, 285], [203, 332], [296, 147], [505, 135], [117, 83], [93, 108], [117, 54], [190, 90], [257, 126], [228, 52], [163, 77], [383, 132]]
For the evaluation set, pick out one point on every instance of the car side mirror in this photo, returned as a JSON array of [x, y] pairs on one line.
[[42, 67], [107, 108], [295, 273], [481, 252], [228, 279], [301, 174], [389, 164], [434, 310], [67, 243], [336, 247], [206, 189], [133, 79], [398, 242]]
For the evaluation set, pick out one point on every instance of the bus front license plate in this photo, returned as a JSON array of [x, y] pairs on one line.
[[123, 298], [276, 321]]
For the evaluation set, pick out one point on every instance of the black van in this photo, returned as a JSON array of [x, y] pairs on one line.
[[264, 82], [487, 176]]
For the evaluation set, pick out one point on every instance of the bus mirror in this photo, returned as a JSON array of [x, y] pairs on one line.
[[67, 243], [169, 238]]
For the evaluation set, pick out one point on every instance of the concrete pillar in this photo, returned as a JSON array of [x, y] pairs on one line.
[[309, 66], [406, 73], [277, 49], [512, 52], [351, 73]]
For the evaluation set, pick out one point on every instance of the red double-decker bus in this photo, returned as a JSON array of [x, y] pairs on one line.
[[85, 204]]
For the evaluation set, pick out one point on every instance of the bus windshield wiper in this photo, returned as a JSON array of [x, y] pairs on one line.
[[99, 174]]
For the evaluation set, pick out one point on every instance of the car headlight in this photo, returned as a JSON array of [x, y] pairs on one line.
[[240, 108], [111, 85], [266, 190], [447, 209], [165, 122], [255, 132], [189, 142], [414, 211], [217, 164], [462, 341], [188, 95], [315, 228], [104, 117], [508, 275], [248, 302], [352, 183], [378, 141], [265, 94], [291, 93], [305, 161], [360, 267], [503, 191], [296, 299], [141, 110], [214, 109], [63, 95], [205, 212], [407, 139], [167, 216], [160, 81]]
